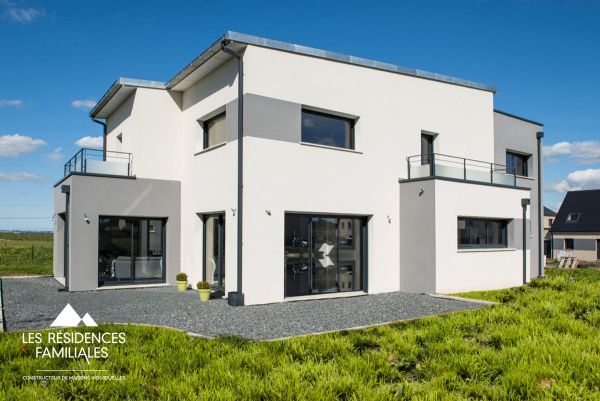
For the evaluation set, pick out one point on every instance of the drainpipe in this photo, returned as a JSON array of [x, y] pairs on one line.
[[540, 136], [103, 124], [236, 298], [66, 189], [524, 203]]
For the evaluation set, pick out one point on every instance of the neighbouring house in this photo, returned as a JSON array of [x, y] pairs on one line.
[[549, 216], [276, 172], [576, 227]]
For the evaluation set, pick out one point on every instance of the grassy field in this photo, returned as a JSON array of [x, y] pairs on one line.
[[25, 253], [542, 342]]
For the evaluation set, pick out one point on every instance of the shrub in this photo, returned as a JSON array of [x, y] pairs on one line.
[[203, 285], [181, 276]]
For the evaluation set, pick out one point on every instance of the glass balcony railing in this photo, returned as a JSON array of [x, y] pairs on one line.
[[458, 168], [95, 161]]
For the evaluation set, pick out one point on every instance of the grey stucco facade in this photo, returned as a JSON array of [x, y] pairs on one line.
[[94, 196], [519, 135]]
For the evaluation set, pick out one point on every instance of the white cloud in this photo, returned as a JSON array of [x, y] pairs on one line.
[[84, 104], [17, 145], [23, 15], [11, 103], [56, 155], [94, 142], [584, 152], [576, 181], [22, 176]]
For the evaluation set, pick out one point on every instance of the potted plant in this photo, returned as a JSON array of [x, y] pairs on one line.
[[204, 290], [182, 282]]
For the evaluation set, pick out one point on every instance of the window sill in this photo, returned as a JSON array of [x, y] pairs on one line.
[[467, 250], [525, 177], [315, 145], [209, 149]]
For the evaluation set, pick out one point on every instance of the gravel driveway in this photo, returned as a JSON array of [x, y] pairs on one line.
[[33, 303]]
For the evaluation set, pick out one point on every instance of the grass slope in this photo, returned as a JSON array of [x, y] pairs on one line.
[[16, 254], [541, 342]]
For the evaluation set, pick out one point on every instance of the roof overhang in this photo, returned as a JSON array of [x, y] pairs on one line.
[[214, 56], [120, 90]]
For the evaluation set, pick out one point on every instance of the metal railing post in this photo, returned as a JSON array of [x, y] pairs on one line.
[[408, 166], [491, 173], [465, 169], [432, 164]]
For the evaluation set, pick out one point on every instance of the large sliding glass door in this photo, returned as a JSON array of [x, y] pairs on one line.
[[131, 250], [324, 254]]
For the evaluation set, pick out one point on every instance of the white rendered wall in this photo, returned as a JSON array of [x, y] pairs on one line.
[[283, 176], [149, 122], [208, 179], [460, 270]]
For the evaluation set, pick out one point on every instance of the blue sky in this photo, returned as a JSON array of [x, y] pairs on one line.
[[58, 57]]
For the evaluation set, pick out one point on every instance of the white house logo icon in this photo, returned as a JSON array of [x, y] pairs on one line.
[[69, 318]]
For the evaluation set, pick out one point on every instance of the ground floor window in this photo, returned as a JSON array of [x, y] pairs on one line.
[[324, 254], [569, 244], [482, 233], [131, 250]]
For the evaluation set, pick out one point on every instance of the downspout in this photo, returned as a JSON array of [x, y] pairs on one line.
[[66, 189], [103, 124], [236, 298], [539, 136], [524, 203]]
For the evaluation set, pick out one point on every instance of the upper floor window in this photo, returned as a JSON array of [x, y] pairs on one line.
[[516, 163], [326, 129], [482, 233], [573, 217], [214, 130]]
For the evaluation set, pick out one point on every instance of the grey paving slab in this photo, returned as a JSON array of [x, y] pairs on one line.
[[33, 303]]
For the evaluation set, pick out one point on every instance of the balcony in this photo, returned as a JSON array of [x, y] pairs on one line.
[[95, 161], [457, 168]]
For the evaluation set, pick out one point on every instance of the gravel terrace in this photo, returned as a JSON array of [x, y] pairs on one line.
[[33, 303]]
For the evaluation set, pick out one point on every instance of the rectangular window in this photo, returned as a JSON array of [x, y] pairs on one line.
[[516, 163], [482, 233], [569, 244], [214, 131], [131, 250], [328, 130]]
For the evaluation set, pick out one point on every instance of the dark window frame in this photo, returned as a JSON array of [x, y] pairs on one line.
[[133, 280], [205, 130], [468, 224], [514, 169], [352, 121], [363, 249], [569, 248]]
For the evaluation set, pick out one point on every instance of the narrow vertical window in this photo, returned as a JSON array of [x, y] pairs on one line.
[[214, 131]]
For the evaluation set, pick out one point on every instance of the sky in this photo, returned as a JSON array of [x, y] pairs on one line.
[[57, 58]]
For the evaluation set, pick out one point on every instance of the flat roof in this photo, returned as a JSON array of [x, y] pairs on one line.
[[207, 58], [246, 39], [518, 117]]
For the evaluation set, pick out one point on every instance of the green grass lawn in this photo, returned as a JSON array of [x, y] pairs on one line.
[[25, 254], [541, 342]]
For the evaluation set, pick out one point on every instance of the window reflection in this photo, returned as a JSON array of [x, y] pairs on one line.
[[328, 130], [323, 254], [130, 250]]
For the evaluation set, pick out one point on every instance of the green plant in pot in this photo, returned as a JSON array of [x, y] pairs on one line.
[[204, 290], [182, 282]]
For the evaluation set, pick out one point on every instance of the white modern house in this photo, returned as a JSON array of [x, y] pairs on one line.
[[279, 172]]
